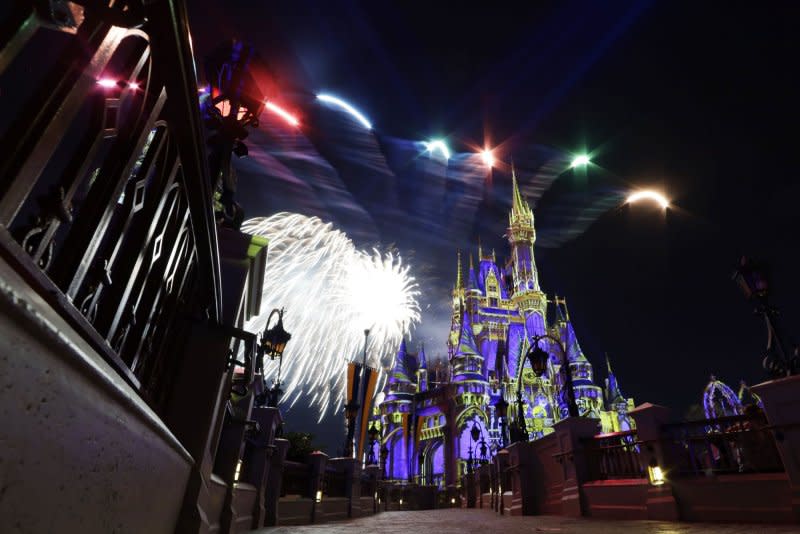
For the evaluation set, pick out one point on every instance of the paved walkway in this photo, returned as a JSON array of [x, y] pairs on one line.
[[456, 520]]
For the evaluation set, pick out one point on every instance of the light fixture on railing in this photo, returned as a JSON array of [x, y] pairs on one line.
[[319, 496], [655, 473], [273, 340]]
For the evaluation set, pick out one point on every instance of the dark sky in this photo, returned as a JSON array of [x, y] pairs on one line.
[[697, 98]]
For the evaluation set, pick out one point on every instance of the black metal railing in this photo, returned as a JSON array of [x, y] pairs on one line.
[[105, 199], [737, 444], [614, 456]]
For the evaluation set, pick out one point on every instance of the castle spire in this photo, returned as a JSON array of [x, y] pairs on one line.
[[472, 280], [459, 284], [517, 202]]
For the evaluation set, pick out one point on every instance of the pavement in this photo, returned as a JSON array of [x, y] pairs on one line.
[[476, 521]]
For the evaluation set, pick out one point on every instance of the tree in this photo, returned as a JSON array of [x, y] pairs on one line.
[[301, 444]]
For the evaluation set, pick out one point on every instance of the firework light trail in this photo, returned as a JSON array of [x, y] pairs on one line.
[[331, 292]]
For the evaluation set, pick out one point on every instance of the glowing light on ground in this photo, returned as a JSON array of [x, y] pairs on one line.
[[282, 113], [655, 196], [439, 145], [581, 160], [107, 83], [488, 158], [338, 102], [331, 292]]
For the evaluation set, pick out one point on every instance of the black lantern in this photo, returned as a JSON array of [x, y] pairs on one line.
[[273, 341], [753, 280], [502, 413], [373, 438], [538, 358], [475, 432], [484, 452]]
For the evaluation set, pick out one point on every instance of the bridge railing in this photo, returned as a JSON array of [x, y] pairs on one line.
[[736, 444], [614, 455], [105, 197]]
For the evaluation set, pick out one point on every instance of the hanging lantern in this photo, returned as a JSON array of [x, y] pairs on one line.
[[538, 359], [273, 341]]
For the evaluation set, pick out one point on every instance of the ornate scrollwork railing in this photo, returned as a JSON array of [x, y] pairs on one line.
[[105, 199]]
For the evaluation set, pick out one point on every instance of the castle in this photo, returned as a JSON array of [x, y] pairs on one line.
[[436, 422]]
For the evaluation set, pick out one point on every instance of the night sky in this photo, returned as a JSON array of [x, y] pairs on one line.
[[699, 99]]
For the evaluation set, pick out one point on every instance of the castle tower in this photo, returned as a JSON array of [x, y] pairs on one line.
[[526, 293], [457, 312], [467, 362], [422, 371]]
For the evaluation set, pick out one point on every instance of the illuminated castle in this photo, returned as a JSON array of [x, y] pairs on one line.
[[434, 420]]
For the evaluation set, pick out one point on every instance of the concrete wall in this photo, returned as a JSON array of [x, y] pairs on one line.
[[244, 500], [550, 475], [294, 510], [744, 497], [332, 509], [617, 499], [367, 505], [79, 450]]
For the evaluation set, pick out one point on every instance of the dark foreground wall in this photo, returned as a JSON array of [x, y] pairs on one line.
[[79, 450]]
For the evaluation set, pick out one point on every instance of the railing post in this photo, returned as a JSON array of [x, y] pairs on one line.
[[570, 433], [274, 482], [256, 462], [649, 418], [317, 460], [503, 483], [781, 400]]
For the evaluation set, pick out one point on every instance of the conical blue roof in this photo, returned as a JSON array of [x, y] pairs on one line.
[[400, 370]]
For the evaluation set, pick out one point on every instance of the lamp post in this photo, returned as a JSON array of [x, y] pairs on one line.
[[502, 413], [753, 282], [519, 431], [373, 439], [273, 343], [538, 358]]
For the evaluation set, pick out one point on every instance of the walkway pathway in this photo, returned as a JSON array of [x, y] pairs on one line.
[[463, 521]]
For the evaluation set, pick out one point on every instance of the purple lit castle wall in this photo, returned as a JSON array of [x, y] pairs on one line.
[[427, 417]]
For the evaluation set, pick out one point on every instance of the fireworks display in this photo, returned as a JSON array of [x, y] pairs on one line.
[[332, 292]]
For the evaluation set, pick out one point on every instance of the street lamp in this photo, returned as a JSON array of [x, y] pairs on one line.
[[753, 282], [502, 413], [273, 343], [538, 359], [373, 439], [475, 434]]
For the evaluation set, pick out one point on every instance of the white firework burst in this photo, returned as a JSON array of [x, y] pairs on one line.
[[332, 292]]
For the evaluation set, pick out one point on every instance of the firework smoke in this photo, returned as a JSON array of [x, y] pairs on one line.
[[332, 292]]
